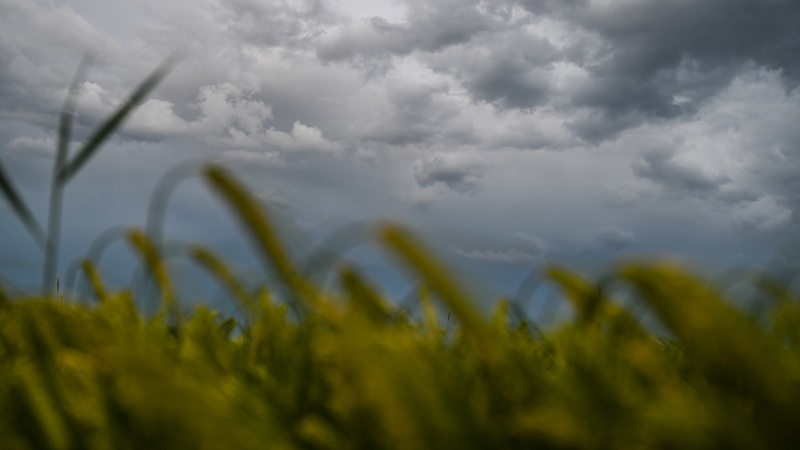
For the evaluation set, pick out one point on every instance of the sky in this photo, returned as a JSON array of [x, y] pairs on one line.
[[508, 133]]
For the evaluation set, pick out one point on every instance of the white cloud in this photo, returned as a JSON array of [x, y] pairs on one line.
[[301, 138], [226, 107], [156, 117]]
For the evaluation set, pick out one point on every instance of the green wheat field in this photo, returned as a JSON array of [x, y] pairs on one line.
[[307, 367]]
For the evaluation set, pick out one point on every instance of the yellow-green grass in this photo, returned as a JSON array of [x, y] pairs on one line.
[[352, 371]]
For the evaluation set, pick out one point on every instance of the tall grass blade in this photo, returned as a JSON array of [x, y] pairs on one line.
[[418, 261], [217, 267], [68, 114], [39, 406], [584, 296], [158, 270], [94, 254], [500, 316], [252, 217], [429, 317], [333, 247], [363, 297], [21, 209], [725, 344], [111, 124], [592, 305], [57, 188], [95, 280]]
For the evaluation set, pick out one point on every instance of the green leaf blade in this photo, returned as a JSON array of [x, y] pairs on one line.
[[108, 127], [21, 209]]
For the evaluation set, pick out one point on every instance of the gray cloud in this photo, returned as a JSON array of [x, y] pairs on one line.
[[271, 23], [641, 59], [511, 68], [762, 214], [613, 238], [256, 24], [510, 83], [662, 166], [660, 52], [666, 118], [596, 125], [535, 244], [460, 173], [743, 155], [428, 27], [39, 52], [413, 114]]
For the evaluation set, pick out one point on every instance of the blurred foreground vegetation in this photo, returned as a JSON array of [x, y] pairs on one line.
[[346, 369]]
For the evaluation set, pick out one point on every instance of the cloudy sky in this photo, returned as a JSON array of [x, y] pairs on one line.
[[508, 132]]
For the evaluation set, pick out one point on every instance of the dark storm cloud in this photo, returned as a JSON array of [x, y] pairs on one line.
[[480, 44], [662, 59], [651, 36], [642, 59], [596, 125], [510, 69], [510, 83]]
